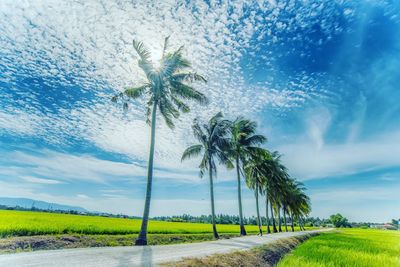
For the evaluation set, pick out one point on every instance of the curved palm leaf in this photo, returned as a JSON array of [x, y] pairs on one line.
[[192, 151]]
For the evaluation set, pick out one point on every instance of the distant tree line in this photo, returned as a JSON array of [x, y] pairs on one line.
[[75, 212], [219, 219], [336, 220]]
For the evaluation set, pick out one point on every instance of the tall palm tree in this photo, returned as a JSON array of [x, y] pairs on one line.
[[276, 174], [167, 90], [255, 174], [213, 144], [298, 203], [303, 207], [244, 141], [267, 206]]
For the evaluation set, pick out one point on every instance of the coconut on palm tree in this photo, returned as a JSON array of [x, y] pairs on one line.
[[213, 143], [244, 142], [167, 89]]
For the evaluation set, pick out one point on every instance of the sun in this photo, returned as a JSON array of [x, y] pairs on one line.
[[155, 56]]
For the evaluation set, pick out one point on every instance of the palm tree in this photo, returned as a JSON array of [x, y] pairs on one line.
[[167, 90], [213, 144], [244, 142], [287, 194], [276, 174], [267, 206], [255, 173], [302, 204], [297, 202]]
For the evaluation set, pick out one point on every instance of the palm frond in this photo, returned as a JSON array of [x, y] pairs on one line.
[[192, 151], [188, 77], [143, 53], [168, 112], [256, 139], [203, 165], [198, 132], [172, 63], [180, 104], [188, 92], [144, 63], [136, 92], [165, 46]]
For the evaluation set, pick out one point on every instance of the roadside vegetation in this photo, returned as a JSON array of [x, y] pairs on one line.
[[263, 256], [348, 247], [63, 241]]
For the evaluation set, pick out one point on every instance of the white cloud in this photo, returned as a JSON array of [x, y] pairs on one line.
[[359, 203], [119, 203], [36, 180], [318, 123], [307, 161], [82, 196], [52, 165], [90, 45], [19, 122]]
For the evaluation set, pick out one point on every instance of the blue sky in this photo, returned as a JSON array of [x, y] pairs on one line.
[[321, 78]]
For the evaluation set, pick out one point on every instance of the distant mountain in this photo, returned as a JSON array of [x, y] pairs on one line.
[[43, 205]]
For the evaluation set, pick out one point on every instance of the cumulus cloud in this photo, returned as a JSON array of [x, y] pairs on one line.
[[88, 43]]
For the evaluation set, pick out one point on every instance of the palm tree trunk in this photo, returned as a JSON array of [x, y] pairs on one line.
[[266, 212], [279, 219], [242, 229], [284, 217], [291, 218], [216, 236], [302, 223], [258, 213], [142, 238], [273, 219], [301, 228]]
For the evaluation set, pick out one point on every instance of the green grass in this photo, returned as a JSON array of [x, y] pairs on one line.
[[27, 223], [263, 256], [348, 247]]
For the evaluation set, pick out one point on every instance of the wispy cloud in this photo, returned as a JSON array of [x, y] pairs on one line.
[[308, 161], [366, 203], [36, 180], [50, 165]]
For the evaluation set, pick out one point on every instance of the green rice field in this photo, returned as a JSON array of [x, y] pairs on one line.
[[27, 223], [348, 247]]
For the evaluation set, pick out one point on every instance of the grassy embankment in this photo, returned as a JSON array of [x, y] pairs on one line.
[[344, 247], [25, 230], [348, 247], [263, 256]]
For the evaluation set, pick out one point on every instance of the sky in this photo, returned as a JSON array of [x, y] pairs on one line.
[[321, 79]]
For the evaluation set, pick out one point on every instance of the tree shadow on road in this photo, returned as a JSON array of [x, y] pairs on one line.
[[141, 257], [146, 258]]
